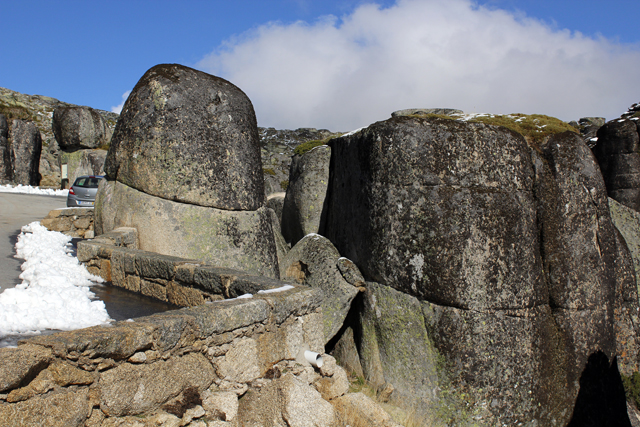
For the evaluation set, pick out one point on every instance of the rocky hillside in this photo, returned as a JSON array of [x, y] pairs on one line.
[[39, 110], [277, 145]]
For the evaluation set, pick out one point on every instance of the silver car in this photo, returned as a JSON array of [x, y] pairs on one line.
[[82, 193]]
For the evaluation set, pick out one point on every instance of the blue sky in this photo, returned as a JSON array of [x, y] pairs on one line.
[[337, 64]]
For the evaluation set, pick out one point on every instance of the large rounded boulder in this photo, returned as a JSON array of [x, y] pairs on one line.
[[184, 169], [188, 136], [440, 209], [79, 128], [504, 255]]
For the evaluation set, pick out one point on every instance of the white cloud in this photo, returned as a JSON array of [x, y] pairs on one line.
[[118, 108], [345, 73]]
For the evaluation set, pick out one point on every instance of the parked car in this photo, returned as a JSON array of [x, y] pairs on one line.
[[82, 193]]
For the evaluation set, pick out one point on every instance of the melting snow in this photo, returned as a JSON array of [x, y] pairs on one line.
[[280, 289], [54, 293], [27, 189]]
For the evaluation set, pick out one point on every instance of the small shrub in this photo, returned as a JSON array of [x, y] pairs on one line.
[[268, 171], [284, 185]]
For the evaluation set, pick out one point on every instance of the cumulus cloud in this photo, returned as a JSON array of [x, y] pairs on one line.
[[118, 108], [344, 73]]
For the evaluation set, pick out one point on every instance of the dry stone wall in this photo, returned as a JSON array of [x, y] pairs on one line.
[[173, 366], [74, 222]]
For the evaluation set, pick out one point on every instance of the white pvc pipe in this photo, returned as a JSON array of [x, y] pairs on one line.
[[314, 358]]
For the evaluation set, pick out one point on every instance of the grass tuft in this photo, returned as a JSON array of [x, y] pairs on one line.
[[534, 127]]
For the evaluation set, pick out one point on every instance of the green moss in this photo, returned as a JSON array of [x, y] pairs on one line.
[[306, 146], [534, 127], [284, 185], [632, 387], [16, 112], [268, 171]]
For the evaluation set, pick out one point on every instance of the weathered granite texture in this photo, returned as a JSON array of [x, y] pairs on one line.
[[303, 203], [191, 137], [313, 262], [80, 128], [234, 239], [6, 165], [178, 366], [510, 252], [74, 222], [26, 146], [82, 162], [184, 169], [627, 221], [618, 154]]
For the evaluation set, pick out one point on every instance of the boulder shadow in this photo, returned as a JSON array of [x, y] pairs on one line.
[[601, 400]]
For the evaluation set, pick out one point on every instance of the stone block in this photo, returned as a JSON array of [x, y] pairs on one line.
[[241, 363], [227, 315], [135, 389], [156, 266], [68, 408], [19, 365], [183, 296], [153, 289], [114, 342]]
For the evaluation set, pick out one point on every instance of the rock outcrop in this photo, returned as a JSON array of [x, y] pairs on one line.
[[277, 148], [83, 162], [313, 262], [184, 169], [26, 146], [6, 168], [304, 200], [39, 110], [80, 127], [506, 254], [618, 154]]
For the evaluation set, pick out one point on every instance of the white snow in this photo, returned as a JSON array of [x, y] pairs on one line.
[[353, 132], [27, 189], [54, 293], [280, 289], [243, 296]]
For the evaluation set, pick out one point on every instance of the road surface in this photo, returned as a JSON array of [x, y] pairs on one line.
[[17, 210]]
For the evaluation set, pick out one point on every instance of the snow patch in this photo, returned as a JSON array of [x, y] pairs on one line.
[[27, 189], [280, 289], [55, 290]]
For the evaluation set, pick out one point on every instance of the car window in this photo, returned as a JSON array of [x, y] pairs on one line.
[[87, 182]]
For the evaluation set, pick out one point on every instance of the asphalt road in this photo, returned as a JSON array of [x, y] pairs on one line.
[[17, 210]]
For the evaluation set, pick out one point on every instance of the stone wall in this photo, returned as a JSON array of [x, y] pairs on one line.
[[74, 222], [168, 368], [183, 282]]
